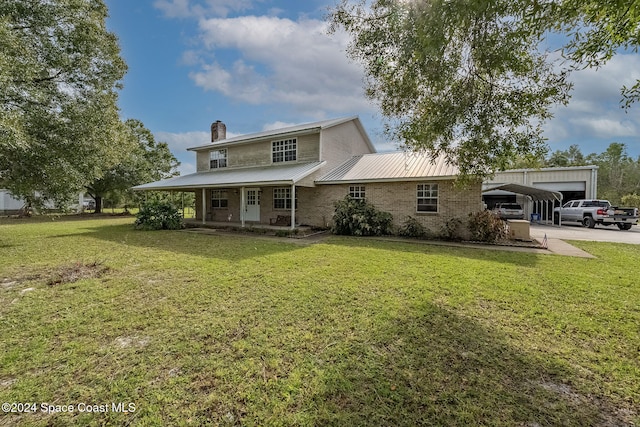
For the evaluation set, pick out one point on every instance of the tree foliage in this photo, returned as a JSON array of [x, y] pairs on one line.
[[146, 161], [618, 174], [468, 78], [59, 72], [455, 77]]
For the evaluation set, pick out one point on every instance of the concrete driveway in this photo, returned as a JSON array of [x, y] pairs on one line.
[[578, 232]]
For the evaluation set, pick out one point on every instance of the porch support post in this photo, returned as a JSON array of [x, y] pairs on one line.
[[204, 205], [242, 206], [293, 206]]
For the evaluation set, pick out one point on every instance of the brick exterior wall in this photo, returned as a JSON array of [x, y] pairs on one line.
[[397, 198]]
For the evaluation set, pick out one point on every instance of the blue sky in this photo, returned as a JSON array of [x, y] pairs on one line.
[[262, 64]]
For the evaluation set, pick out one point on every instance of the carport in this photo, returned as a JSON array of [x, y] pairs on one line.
[[538, 196]]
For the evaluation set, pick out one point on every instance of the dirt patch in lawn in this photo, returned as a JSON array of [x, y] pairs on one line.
[[68, 273], [609, 416], [77, 271]]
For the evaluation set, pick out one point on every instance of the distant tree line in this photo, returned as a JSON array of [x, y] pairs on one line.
[[618, 173]]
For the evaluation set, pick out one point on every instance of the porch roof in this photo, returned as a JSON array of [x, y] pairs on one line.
[[240, 177]]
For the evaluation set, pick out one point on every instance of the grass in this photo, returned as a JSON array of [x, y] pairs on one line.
[[246, 330]]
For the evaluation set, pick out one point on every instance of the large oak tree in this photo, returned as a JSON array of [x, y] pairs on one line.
[[60, 69]]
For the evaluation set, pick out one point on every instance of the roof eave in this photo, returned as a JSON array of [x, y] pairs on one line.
[[402, 179]]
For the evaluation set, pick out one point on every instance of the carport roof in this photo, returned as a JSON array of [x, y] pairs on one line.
[[535, 193]]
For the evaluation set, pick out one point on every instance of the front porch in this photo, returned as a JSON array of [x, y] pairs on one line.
[[263, 207]]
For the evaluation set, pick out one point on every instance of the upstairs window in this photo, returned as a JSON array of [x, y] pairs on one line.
[[427, 195], [218, 159], [356, 192], [284, 151], [219, 199]]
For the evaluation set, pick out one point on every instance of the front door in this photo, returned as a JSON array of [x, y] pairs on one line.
[[252, 206]]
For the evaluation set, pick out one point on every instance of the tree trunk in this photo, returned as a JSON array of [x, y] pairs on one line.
[[98, 200]]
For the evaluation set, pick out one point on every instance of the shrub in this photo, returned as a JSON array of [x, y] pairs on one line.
[[360, 218], [412, 228], [485, 226], [631, 201], [159, 216], [451, 230]]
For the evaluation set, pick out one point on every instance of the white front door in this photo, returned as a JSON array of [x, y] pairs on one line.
[[252, 205]]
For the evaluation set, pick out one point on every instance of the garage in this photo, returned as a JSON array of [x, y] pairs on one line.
[[576, 182]]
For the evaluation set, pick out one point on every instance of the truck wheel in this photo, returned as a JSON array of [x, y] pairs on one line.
[[556, 218], [588, 221], [623, 226]]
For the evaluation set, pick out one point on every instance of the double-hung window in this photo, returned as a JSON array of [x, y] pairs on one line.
[[219, 199], [357, 192], [427, 197], [284, 151], [282, 198], [218, 159]]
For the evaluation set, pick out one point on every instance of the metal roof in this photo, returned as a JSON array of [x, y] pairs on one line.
[[263, 175], [398, 166], [535, 193], [305, 128]]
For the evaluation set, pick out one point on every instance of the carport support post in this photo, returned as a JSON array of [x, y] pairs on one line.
[[204, 206], [293, 206], [560, 211]]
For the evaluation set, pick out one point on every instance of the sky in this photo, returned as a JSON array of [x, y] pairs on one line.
[[264, 64]]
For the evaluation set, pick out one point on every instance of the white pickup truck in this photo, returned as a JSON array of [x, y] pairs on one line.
[[592, 212]]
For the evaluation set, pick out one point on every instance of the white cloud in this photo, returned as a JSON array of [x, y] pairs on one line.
[[181, 141], [277, 125], [195, 8], [282, 61], [594, 111]]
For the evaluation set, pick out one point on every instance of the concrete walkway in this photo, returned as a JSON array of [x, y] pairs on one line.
[[560, 247]]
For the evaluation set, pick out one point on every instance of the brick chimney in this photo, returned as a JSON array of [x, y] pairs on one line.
[[218, 131]]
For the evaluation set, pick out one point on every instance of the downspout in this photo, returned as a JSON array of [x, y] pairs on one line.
[[293, 206]]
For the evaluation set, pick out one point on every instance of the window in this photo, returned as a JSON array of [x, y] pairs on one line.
[[356, 192], [284, 151], [282, 198], [427, 198], [219, 199], [218, 159]]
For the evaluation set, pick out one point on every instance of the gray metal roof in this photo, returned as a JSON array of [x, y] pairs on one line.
[[283, 132], [398, 166], [263, 175]]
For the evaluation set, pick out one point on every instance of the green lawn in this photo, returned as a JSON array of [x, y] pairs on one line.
[[246, 330]]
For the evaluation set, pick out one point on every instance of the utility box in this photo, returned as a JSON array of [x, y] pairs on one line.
[[519, 229]]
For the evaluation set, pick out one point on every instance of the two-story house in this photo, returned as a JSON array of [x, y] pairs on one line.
[[297, 173]]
